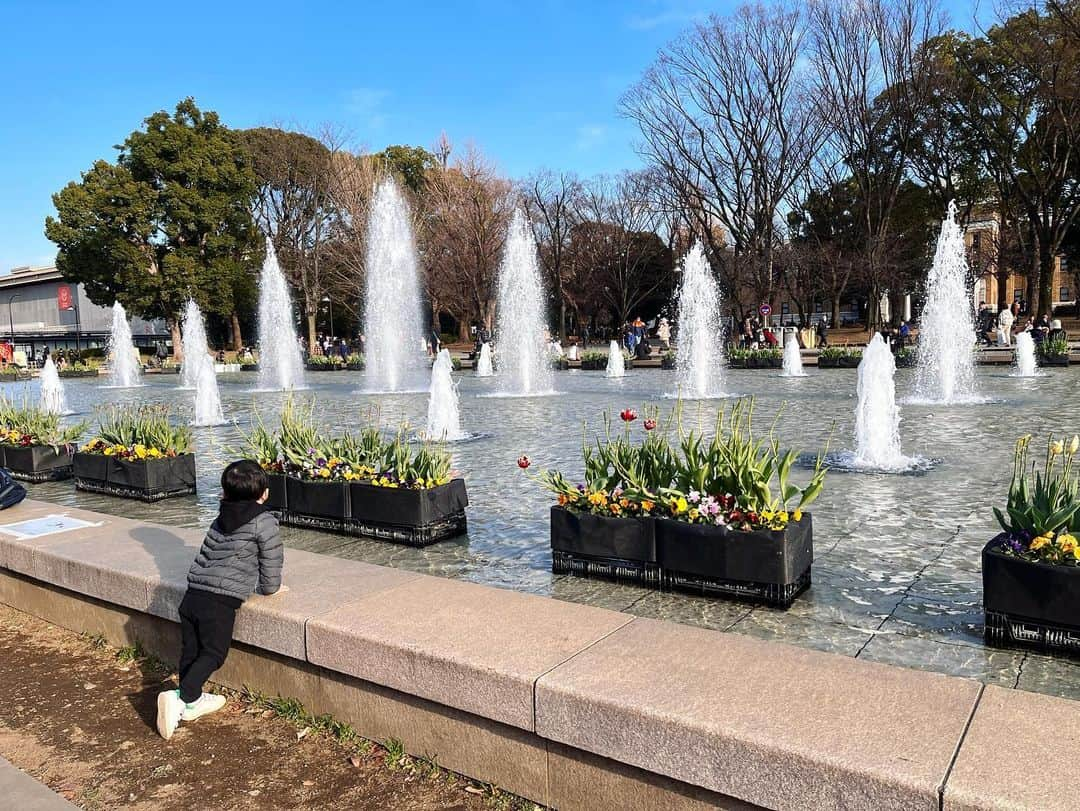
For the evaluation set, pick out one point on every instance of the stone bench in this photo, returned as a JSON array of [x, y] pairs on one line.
[[568, 705]]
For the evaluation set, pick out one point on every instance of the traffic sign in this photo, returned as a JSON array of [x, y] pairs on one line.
[[765, 310]]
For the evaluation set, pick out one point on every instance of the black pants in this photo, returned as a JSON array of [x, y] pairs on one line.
[[206, 627]]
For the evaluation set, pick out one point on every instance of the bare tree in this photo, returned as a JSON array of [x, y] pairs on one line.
[[467, 208], [727, 119], [872, 76], [551, 201]]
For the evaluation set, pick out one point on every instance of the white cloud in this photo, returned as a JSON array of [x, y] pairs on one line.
[[366, 104], [665, 13], [590, 136]]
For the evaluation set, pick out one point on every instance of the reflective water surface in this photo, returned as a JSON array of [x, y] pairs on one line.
[[896, 574]]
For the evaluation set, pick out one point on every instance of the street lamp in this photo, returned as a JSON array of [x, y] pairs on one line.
[[11, 324], [330, 309]]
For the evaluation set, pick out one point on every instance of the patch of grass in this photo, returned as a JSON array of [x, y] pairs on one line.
[[96, 641], [394, 755]]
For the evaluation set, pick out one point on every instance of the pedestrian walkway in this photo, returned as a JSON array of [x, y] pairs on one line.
[[23, 792]]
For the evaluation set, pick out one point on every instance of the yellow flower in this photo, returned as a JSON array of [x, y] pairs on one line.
[[1057, 447], [1074, 443], [647, 506], [679, 505], [797, 516], [109, 451], [1039, 542], [693, 514], [1066, 542]]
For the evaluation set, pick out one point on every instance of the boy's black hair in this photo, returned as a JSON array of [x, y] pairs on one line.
[[244, 480]]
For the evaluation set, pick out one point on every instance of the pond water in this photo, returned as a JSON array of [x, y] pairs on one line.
[[896, 575]]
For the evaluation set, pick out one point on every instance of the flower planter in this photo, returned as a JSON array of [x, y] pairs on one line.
[[601, 546], [249, 367], [317, 499], [560, 364], [1053, 360], [594, 365], [38, 463], [399, 514], [68, 373], [324, 367], [277, 501], [739, 363], [769, 566], [1029, 603], [146, 480], [667, 363]]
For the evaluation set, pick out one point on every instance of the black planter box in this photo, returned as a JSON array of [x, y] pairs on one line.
[[770, 566], [839, 363], [277, 500], [739, 363], [38, 463], [397, 514], [146, 480], [324, 367], [318, 499], [249, 367], [1053, 360], [560, 364], [77, 373], [667, 363], [1029, 603], [594, 365], [596, 545]]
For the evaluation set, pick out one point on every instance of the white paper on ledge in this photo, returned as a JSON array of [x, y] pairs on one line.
[[47, 525]]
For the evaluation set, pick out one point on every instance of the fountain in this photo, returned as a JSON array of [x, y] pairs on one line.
[[700, 356], [946, 371], [443, 415], [126, 369], [484, 367], [524, 357], [616, 364], [207, 398], [280, 364], [792, 357], [194, 342], [53, 400], [1025, 356], [877, 419], [393, 322]]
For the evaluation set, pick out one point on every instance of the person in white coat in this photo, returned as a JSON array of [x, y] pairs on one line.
[[1005, 324]]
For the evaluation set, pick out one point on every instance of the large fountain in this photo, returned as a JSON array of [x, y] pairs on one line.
[[1026, 365], [393, 322], [280, 364], [524, 360], [443, 416], [877, 419], [792, 357], [616, 364], [946, 371], [193, 331], [484, 366], [53, 400], [126, 368], [699, 360]]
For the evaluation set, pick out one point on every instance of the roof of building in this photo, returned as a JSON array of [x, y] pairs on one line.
[[26, 274]]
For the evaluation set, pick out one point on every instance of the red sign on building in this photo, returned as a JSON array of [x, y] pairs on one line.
[[63, 298]]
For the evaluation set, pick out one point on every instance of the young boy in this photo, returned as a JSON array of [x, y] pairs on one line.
[[241, 554]]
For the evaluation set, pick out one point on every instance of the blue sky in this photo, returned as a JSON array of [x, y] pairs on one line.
[[534, 83]]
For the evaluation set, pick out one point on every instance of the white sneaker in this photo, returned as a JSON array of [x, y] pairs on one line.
[[169, 709], [204, 705]]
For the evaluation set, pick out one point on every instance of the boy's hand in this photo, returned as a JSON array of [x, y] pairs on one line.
[[281, 590]]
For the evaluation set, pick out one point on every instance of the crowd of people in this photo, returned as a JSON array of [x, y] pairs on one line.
[[1001, 329]]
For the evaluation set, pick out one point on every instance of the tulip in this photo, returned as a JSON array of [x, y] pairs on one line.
[[628, 415], [1074, 445], [1057, 447], [649, 424], [524, 462]]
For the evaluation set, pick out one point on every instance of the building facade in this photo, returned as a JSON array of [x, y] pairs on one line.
[[39, 308]]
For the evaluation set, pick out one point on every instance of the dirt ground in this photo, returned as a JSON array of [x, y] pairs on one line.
[[78, 716]]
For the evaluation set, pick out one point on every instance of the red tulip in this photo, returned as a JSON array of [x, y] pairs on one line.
[[650, 424], [524, 462], [628, 415]]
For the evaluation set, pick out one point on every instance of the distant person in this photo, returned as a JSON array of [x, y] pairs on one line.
[[1056, 332], [905, 334], [823, 331], [242, 553], [1005, 323], [663, 332], [343, 348]]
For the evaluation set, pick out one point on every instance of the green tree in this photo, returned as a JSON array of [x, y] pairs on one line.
[[168, 221], [411, 163]]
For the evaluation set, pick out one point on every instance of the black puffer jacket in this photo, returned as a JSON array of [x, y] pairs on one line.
[[242, 553]]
